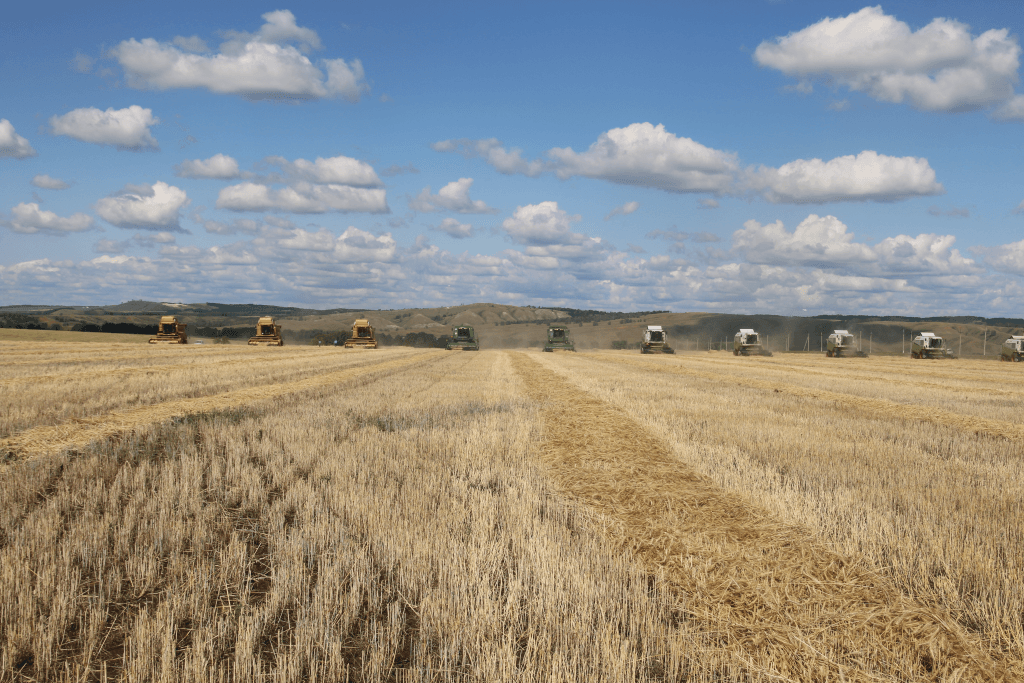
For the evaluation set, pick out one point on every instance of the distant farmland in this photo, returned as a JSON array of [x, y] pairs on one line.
[[234, 513]]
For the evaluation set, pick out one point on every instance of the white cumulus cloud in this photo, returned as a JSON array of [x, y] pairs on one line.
[[452, 197], [147, 207], [47, 183], [491, 150], [339, 170], [624, 210], [30, 219], [12, 145], [126, 128], [866, 176], [302, 197], [271, 63], [939, 67], [649, 156], [453, 228], [218, 166], [823, 242]]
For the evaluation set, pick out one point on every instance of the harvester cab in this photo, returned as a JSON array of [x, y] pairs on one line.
[[558, 338], [841, 343], [268, 333], [748, 343], [362, 336], [655, 340], [1012, 349], [463, 337], [170, 331], [927, 345]]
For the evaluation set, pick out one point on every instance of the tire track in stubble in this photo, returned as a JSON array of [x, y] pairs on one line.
[[781, 603]]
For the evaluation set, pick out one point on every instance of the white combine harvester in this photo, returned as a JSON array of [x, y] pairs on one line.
[[1012, 349], [748, 343], [655, 340], [841, 344], [927, 345]]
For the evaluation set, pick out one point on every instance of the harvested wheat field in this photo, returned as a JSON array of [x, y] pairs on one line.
[[299, 514]]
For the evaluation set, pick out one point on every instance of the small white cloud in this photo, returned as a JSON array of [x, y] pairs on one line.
[[123, 128], [270, 64], [624, 210], [939, 67], [339, 170], [1020, 208], [645, 155], [47, 183], [30, 219], [542, 223], [708, 203], [12, 145], [452, 197], [869, 176], [953, 212], [218, 166], [302, 197], [147, 207], [504, 161], [1012, 110], [111, 246], [839, 105], [82, 63], [453, 228]]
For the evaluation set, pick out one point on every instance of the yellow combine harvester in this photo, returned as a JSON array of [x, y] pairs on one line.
[[268, 333], [170, 331], [362, 336]]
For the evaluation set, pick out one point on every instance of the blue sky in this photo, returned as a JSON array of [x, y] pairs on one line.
[[776, 157]]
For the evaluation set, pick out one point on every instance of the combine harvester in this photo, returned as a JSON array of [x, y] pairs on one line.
[[1012, 349], [170, 331], [841, 345], [268, 333], [463, 337], [655, 340], [927, 345], [362, 336], [748, 343], [558, 338]]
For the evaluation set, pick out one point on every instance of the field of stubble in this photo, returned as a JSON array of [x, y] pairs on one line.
[[298, 514]]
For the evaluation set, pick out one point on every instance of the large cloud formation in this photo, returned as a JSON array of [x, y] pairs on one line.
[[336, 184], [819, 266], [645, 155], [12, 145], [147, 207], [268, 64], [940, 67], [126, 128]]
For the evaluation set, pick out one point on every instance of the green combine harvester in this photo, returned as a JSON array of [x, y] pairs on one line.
[[463, 337], [558, 338]]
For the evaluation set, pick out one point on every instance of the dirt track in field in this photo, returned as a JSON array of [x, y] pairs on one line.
[[970, 423], [779, 602], [78, 432]]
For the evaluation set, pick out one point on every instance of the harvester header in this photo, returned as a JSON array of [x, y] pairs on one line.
[[268, 333], [170, 331]]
